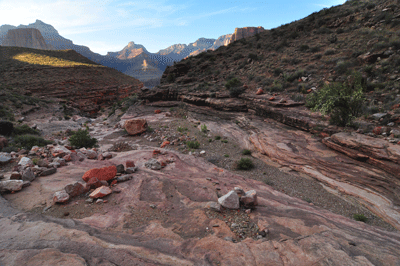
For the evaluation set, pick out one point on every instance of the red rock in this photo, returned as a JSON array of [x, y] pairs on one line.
[[377, 131], [100, 192], [245, 87], [105, 173], [130, 163], [260, 91], [165, 143], [271, 99], [94, 183], [15, 176], [157, 111], [75, 189], [155, 152], [163, 164], [310, 90], [113, 182], [135, 126], [396, 106], [323, 135]]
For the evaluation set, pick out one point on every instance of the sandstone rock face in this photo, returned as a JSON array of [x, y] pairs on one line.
[[29, 38], [105, 173], [291, 232], [245, 32], [135, 126]]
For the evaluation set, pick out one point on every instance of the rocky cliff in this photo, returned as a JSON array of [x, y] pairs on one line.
[[245, 32], [30, 38]]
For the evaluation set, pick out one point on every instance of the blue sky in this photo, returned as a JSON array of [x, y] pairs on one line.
[[108, 25]]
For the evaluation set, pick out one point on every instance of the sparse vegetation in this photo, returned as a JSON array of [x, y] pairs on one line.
[[246, 152], [244, 164], [360, 218], [81, 138], [28, 141], [193, 144], [204, 128]]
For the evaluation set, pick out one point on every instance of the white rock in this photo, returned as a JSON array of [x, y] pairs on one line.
[[11, 185], [25, 161], [230, 200]]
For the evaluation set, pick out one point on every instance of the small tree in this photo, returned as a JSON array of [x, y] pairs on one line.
[[81, 138], [342, 101]]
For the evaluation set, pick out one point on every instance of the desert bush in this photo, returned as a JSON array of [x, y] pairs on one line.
[[342, 101], [171, 77], [253, 56], [25, 129], [28, 141], [298, 74], [277, 71], [360, 218], [6, 128], [234, 82], [329, 52], [193, 144], [304, 47], [244, 164], [342, 67], [204, 128], [217, 137], [246, 152], [81, 138]]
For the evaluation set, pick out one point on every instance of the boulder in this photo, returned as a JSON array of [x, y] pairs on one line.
[[77, 156], [91, 154], [107, 155], [100, 192], [239, 191], [28, 175], [60, 196], [43, 163], [11, 185], [76, 189], [249, 200], [230, 200], [153, 164], [135, 126], [105, 173]]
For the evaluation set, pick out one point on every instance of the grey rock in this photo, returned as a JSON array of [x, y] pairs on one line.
[[5, 159], [230, 200], [249, 200], [55, 165], [89, 200], [239, 191], [91, 154], [131, 170], [378, 116], [212, 205], [11, 185], [124, 178], [60, 196], [120, 168], [153, 164], [25, 161], [28, 175], [48, 171], [26, 184]]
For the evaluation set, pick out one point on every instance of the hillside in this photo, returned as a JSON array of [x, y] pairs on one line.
[[64, 74]]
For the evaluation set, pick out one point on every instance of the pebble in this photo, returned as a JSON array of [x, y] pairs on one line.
[[99, 201]]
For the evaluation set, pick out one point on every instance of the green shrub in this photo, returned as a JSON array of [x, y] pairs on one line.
[[234, 82], [342, 67], [343, 102], [304, 47], [253, 56], [193, 144], [224, 141], [81, 138], [204, 128], [217, 137], [360, 218], [246, 152], [25, 129], [329, 52], [171, 77], [226, 155], [235, 91], [182, 129], [28, 141], [277, 71], [244, 164]]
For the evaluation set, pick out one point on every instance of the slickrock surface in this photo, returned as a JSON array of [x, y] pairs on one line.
[[159, 218]]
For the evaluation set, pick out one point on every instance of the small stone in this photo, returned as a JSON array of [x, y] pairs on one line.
[[99, 201], [94, 183], [105, 173], [230, 200], [203, 152], [91, 154], [215, 225], [107, 155], [153, 206], [75, 189], [60, 196], [228, 238], [89, 200], [259, 91], [5, 159], [165, 143], [249, 200], [239, 191], [130, 163]]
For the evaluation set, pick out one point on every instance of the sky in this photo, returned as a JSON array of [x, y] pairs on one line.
[[109, 25]]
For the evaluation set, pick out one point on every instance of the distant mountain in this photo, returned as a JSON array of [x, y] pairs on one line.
[[29, 38], [133, 60]]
